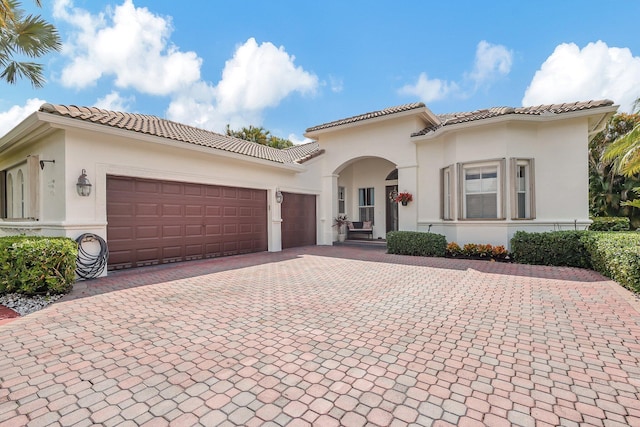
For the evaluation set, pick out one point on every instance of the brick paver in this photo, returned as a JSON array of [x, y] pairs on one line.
[[328, 336]]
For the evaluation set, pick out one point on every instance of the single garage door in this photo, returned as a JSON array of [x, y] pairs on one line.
[[298, 213], [155, 222]]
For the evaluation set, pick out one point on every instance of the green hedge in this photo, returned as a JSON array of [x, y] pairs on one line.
[[37, 265], [609, 223], [560, 248], [416, 243], [617, 256]]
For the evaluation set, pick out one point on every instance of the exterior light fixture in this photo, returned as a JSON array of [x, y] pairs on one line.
[[42, 162], [83, 185], [279, 196]]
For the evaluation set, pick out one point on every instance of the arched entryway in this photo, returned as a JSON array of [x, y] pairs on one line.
[[362, 193]]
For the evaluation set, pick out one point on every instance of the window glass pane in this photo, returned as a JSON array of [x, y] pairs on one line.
[[341, 206], [522, 207], [521, 173], [482, 206]]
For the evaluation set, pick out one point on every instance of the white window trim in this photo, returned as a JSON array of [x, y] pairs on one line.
[[447, 193], [530, 188], [372, 207], [500, 196], [342, 196]]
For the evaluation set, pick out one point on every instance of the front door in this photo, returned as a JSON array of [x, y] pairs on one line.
[[392, 208]]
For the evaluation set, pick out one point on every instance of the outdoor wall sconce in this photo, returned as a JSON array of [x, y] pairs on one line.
[[42, 162], [279, 196], [83, 185]]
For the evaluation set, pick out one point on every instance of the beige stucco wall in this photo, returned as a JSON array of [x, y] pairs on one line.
[[65, 213], [559, 149], [362, 156]]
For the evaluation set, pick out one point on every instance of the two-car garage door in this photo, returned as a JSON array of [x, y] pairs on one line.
[[155, 222]]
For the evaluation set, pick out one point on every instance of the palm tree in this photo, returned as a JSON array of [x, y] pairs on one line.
[[21, 35], [625, 150]]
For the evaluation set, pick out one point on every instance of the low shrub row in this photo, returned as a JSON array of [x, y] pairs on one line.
[[613, 254], [416, 243], [616, 255], [561, 248], [37, 265], [608, 223]]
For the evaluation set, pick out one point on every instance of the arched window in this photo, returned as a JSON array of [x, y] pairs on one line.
[[9, 195], [20, 194]]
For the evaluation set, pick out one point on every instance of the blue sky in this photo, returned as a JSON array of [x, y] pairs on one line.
[[290, 65]]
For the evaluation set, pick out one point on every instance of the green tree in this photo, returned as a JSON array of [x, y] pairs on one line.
[[609, 191], [27, 36], [259, 135], [624, 151]]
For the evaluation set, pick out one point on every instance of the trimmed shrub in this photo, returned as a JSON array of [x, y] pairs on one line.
[[610, 223], [616, 255], [558, 248], [416, 243], [37, 265]]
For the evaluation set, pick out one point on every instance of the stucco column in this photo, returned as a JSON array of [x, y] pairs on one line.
[[274, 217], [328, 209], [408, 182]]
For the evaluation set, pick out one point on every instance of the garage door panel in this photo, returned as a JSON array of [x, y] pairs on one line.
[[171, 231], [120, 209], [120, 233], [193, 190], [172, 188], [193, 230], [213, 230], [172, 210], [298, 212], [147, 209], [152, 222], [148, 254], [193, 210], [148, 232], [146, 186], [213, 192]]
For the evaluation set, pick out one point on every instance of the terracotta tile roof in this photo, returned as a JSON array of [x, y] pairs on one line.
[[155, 126], [367, 116], [540, 110]]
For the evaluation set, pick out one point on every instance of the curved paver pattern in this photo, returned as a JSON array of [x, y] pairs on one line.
[[328, 336]]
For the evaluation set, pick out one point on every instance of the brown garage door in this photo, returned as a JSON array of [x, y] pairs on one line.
[[155, 222], [298, 220]]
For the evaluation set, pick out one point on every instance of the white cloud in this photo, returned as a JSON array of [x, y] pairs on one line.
[[256, 78], [596, 71], [491, 62], [113, 101], [336, 84], [129, 43], [9, 119], [132, 45], [297, 140], [428, 90]]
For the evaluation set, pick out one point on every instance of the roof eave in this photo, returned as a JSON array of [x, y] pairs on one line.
[[32, 127], [605, 112], [54, 121], [423, 112]]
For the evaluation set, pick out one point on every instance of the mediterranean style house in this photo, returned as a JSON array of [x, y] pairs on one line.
[[158, 191]]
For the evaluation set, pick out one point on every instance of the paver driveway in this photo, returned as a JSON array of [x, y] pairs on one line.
[[328, 336]]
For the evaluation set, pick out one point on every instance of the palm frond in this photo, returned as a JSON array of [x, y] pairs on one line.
[[35, 37], [626, 149], [28, 70]]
